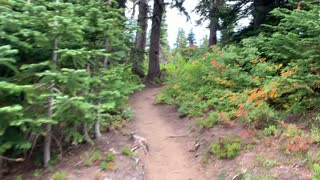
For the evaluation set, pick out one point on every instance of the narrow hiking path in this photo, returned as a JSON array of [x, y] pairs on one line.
[[169, 157]]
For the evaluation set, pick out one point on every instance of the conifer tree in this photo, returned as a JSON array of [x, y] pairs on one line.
[[59, 51], [164, 43], [204, 43], [154, 51], [210, 10], [191, 38], [138, 56], [181, 40]]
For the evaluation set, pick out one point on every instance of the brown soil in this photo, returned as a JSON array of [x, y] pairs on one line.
[[169, 158]]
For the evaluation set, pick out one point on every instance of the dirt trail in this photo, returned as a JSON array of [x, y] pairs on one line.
[[169, 158]]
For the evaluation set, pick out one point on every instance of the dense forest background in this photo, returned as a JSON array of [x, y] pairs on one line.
[[67, 68]]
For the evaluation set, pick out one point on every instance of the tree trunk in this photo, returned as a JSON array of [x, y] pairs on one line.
[[214, 25], [141, 36], [48, 127], [106, 47], [141, 39], [154, 64], [97, 124], [48, 137], [261, 10], [86, 134], [97, 128]]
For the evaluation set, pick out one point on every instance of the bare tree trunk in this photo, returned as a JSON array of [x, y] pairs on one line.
[[97, 128], [97, 124], [154, 64], [214, 21], [258, 13], [97, 131], [261, 10], [141, 38], [48, 137], [106, 47], [48, 127], [214, 25], [86, 134]]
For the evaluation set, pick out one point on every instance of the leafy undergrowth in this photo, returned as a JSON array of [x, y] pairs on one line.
[[226, 148], [269, 83], [287, 152], [104, 160]]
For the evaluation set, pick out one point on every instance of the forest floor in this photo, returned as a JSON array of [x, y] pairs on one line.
[[177, 151]]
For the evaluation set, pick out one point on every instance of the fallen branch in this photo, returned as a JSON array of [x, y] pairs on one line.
[[135, 148], [137, 160], [78, 163], [176, 136], [12, 159], [240, 175], [140, 141]]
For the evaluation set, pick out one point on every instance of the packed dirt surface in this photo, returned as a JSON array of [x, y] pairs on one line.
[[169, 157]]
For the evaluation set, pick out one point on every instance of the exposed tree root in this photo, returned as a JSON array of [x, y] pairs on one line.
[[140, 142]]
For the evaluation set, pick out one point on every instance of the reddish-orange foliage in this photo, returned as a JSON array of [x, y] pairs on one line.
[[241, 112], [225, 118], [204, 56], [216, 64], [245, 134], [233, 97], [298, 144], [289, 72], [273, 93], [192, 47], [225, 82], [251, 132], [262, 59], [286, 73], [257, 95]]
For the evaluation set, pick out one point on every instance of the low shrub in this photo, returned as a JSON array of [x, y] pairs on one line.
[[259, 81], [226, 148]]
